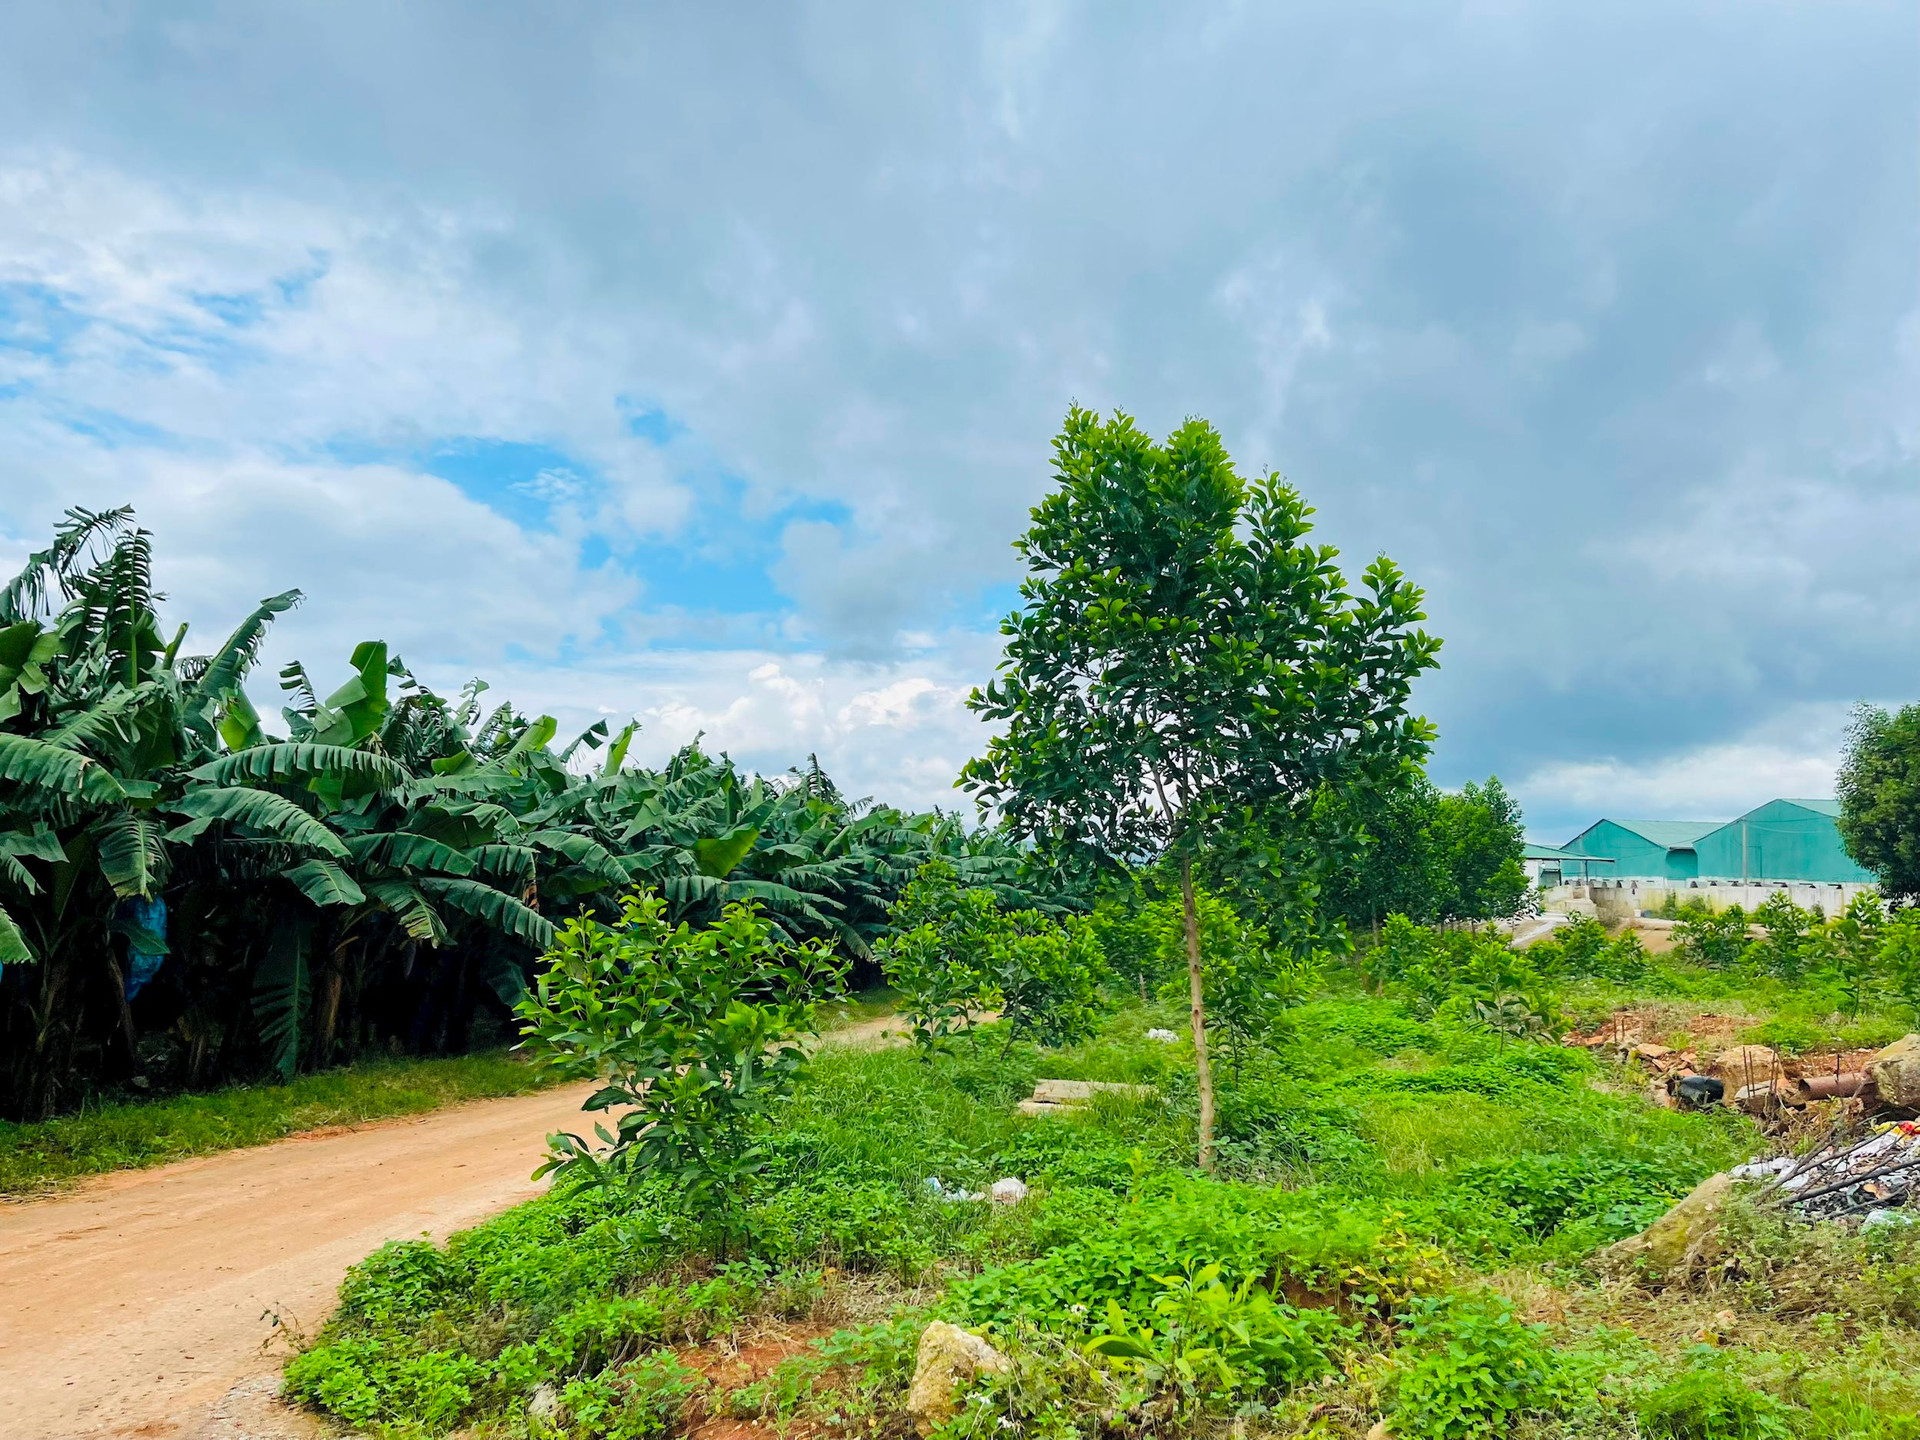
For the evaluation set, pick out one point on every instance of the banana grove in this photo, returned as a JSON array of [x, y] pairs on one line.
[[187, 898]]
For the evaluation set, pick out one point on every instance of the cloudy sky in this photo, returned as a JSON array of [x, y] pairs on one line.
[[699, 363]]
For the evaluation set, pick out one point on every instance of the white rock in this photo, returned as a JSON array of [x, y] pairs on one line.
[[1008, 1191], [948, 1362], [1165, 1037]]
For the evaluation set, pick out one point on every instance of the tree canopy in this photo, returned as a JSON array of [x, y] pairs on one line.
[[1186, 664], [1879, 791]]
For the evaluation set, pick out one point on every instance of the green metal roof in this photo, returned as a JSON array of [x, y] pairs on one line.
[[1533, 851], [1670, 834]]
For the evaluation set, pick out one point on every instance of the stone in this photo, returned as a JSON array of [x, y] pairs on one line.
[[1007, 1191], [1745, 1065], [1165, 1037], [1683, 1238], [1895, 1072], [949, 1360], [1652, 1052], [1067, 1097]]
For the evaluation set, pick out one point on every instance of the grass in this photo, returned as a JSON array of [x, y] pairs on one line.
[[1403, 1226], [120, 1136]]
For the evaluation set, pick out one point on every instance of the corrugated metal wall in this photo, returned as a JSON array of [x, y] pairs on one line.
[[1780, 840]]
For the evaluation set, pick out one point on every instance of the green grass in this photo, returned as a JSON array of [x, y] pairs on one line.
[[1434, 1191], [151, 1132]]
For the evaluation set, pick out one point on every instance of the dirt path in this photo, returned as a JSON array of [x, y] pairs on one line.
[[142, 1304]]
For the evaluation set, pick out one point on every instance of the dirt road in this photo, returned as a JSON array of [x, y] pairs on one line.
[[135, 1305]]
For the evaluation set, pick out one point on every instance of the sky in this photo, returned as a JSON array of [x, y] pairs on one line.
[[700, 364]]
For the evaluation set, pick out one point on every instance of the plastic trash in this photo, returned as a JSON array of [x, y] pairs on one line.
[[1008, 1191]]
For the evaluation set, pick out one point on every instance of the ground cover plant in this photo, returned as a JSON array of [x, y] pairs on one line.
[[1403, 1224], [128, 1134]]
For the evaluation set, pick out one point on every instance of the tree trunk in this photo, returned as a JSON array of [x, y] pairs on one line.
[[1197, 998]]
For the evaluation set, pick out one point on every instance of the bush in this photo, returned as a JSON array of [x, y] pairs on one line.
[[694, 1033], [1545, 1191], [1472, 1365]]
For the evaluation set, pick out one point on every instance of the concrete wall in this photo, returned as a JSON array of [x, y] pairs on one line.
[[1630, 895]]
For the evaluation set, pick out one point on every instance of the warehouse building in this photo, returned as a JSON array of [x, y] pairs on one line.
[[1644, 849], [1783, 843], [1791, 840]]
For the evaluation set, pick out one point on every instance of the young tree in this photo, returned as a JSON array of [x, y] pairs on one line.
[[1185, 663], [693, 1033], [1879, 790], [1479, 837]]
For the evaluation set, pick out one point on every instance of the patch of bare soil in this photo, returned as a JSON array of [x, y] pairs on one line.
[[735, 1364], [137, 1303]]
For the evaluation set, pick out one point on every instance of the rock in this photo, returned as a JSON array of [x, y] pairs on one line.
[[949, 1360], [543, 1412], [1652, 1053], [1061, 1097], [1007, 1191], [1680, 1239], [1745, 1065], [1165, 1037], [1895, 1072]]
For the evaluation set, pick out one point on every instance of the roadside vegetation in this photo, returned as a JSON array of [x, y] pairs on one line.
[[193, 894], [1329, 1168], [131, 1134], [1315, 1158]]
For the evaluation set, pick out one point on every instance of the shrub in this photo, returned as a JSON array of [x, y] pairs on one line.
[[939, 951], [695, 1033], [1208, 1338], [1049, 977], [1472, 1366]]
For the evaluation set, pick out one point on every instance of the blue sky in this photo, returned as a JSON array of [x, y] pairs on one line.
[[701, 365]]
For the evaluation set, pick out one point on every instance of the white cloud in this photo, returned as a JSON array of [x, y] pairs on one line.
[[1628, 376], [1794, 756]]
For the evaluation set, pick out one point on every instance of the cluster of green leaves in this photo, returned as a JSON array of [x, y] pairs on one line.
[[381, 872], [1867, 955], [1428, 854], [1466, 974], [694, 1032], [1582, 949], [954, 952], [1878, 786]]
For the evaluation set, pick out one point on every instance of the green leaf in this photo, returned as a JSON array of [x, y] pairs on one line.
[[403, 850], [240, 723], [52, 771], [495, 907], [410, 908], [14, 949], [302, 760], [229, 665], [283, 994], [717, 857], [260, 810], [39, 843], [325, 883], [132, 852], [581, 850]]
